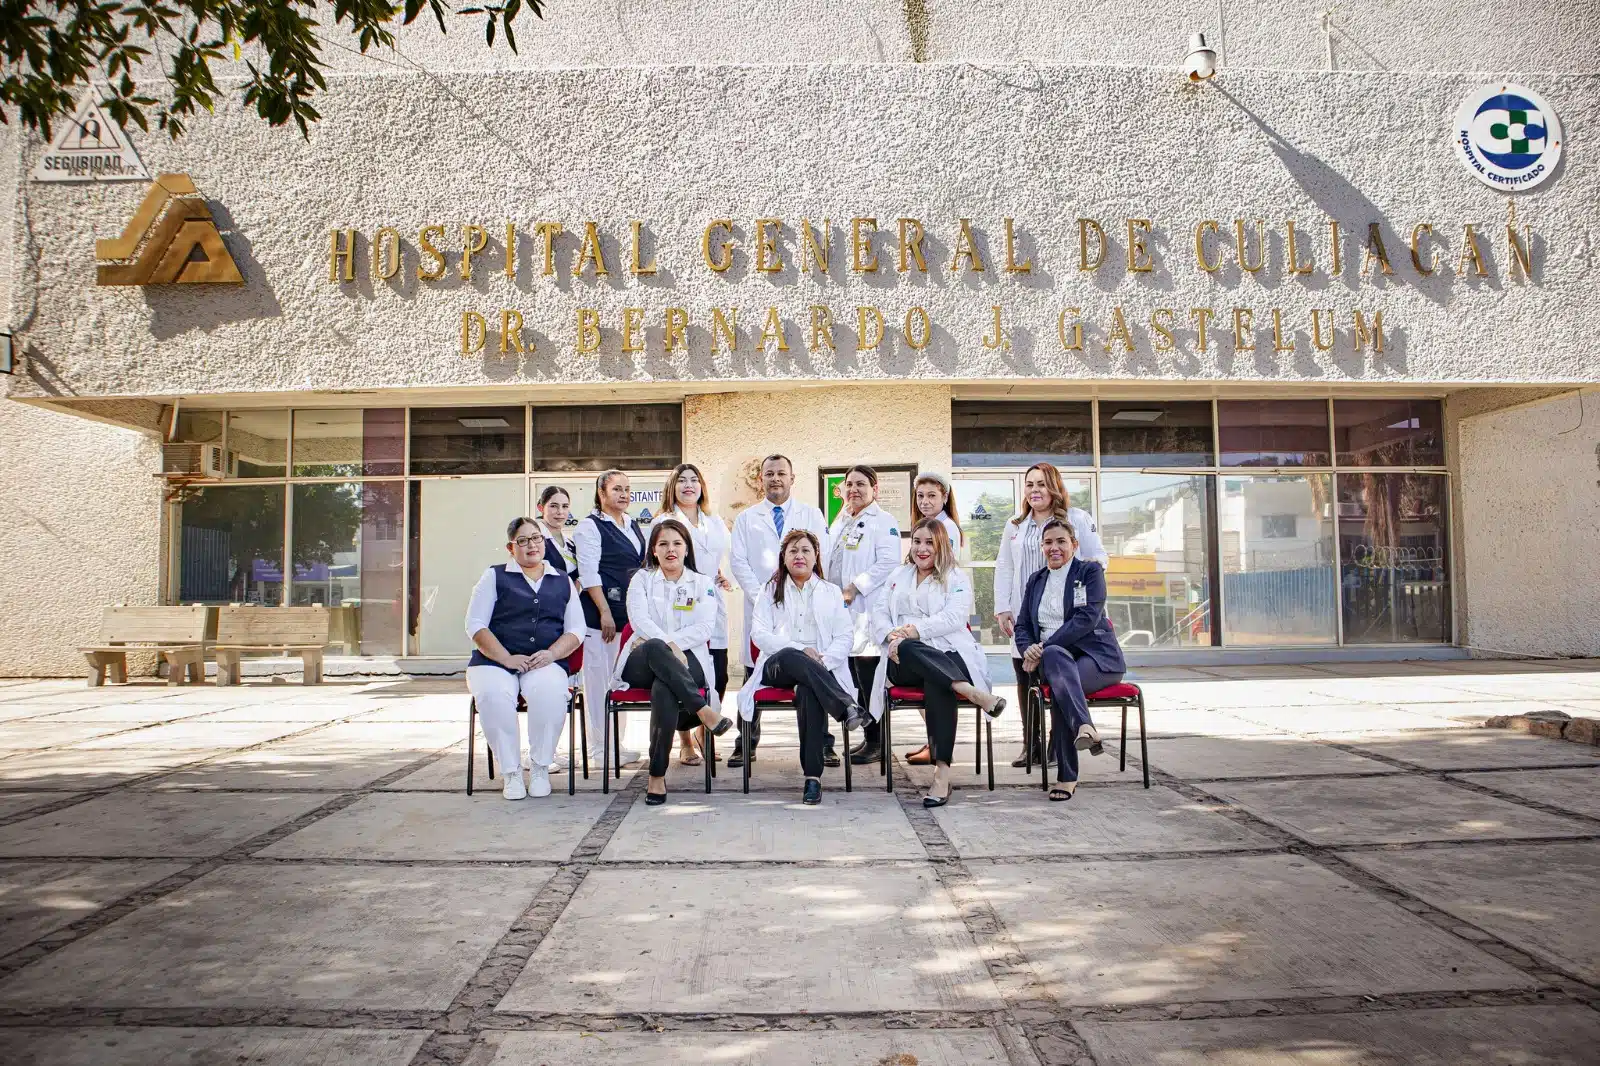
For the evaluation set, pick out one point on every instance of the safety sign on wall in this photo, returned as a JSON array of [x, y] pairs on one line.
[[90, 147]]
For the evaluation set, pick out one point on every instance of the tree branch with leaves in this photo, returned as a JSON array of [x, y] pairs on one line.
[[51, 49]]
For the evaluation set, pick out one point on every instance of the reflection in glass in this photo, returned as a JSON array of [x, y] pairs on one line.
[[1393, 549], [1019, 433], [258, 442], [1157, 531], [984, 627], [457, 529], [641, 436], [199, 427], [1389, 432], [1278, 570], [230, 545], [984, 505], [353, 443], [345, 548], [467, 440], [1155, 434], [1273, 432]]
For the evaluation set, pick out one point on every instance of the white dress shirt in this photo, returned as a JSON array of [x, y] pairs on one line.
[[562, 547], [485, 594], [1052, 605], [710, 536], [586, 544]]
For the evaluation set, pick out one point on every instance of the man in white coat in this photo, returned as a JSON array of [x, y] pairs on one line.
[[753, 558]]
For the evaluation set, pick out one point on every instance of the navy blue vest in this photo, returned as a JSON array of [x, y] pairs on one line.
[[619, 561], [555, 560], [522, 621]]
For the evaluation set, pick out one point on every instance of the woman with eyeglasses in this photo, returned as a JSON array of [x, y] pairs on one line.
[[803, 633], [609, 546], [920, 622], [686, 499], [673, 610], [523, 621], [1021, 555]]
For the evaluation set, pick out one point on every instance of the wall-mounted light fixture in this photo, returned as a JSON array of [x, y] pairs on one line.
[[1201, 62]]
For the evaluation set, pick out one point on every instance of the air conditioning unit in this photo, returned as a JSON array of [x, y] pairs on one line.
[[194, 460]]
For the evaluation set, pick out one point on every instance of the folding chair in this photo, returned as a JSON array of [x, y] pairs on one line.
[[904, 696], [1124, 694], [783, 699], [575, 722], [638, 699]]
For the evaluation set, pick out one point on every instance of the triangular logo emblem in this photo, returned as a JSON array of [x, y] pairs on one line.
[[171, 239], [90, 147]]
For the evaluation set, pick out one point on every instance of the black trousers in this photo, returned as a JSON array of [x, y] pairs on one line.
[[933, 671], [674, 695], [864, 668], [817, 697], [719, 670]]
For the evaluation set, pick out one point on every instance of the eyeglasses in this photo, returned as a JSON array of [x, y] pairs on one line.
[[528, 542]]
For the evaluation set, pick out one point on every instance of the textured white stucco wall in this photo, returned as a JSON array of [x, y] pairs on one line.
[[678, 147], [815, 427], [1530, 529]]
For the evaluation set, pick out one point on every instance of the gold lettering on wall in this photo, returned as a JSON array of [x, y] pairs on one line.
[[1362, 336], [1139, 261], [1518, 247], [1244, 326], [724, 329], [1277, 333], [386, 253], [999, 341], [1119, 330], [863, 260], [1420, 230], [632, 323], [772, 329], [1210, 266], [588, 331], [1335, 242], [1244, 244], [918, 329], [1201, 317], [1161, 326], [675, 336], [1087, 226], [638, 269], [966, 248], [591, 252], [1076, 344], [511, 249], [812, 252], [821, 329], [474, 239], [1376, 252], [1317, 341], [474, 331], [511, 333], [722, 259], [911, 245], [547, 232], [425, 238], [1471, 253], [341, 254], [1012, 266], [1292, 253], [768, 259], [869, 328]]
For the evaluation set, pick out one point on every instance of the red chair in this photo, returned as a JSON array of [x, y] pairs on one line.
[[575, 722], [903, 696], [783, 699], [638, 699], [1124, 694]]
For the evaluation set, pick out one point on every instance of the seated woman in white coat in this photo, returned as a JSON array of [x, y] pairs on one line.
[[673, 611], [524, 620], [921, 624], [803, 635]]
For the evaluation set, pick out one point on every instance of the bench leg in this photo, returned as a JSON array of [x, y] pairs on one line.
[[311, 667], [227, 668], [98, 662], [197, 672], [179, 665]]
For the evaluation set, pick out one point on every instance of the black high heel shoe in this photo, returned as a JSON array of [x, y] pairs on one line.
[[722, 726], [653, 799], [997, 709]]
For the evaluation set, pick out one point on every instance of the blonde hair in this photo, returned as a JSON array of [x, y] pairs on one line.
[[1052, 485], [669, 494], [944, 556]]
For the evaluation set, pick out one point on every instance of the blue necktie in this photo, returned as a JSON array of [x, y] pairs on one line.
[[777, 520]]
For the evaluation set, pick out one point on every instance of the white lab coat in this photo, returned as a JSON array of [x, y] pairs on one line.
[[941, 611], [951, 530], [710, 536], [772, 631], [753, 551], [877, 551], [1010, 581], [653, 617]]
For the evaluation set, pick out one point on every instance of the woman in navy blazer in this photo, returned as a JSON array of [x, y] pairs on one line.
[[1064, 634]]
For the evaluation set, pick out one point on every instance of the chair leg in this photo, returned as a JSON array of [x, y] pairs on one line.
[[472, 740], [582, 711], [977, 739], [616, 740], [988, 729], [744, 751], [1123, 744], [1030, 700], [572, 745], [605, 748], [847, 783], [709, 756], [883, 752], [1144, 752], [1042, 734]]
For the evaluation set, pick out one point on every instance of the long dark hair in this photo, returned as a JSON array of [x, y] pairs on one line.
[[601, 482], [659, 527], [783, 549]]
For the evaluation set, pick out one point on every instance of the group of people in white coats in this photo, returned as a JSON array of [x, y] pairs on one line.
[[836, 612]]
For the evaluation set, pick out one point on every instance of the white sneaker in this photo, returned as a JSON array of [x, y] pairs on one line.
[[539, 782], [559, 765], [629, 756], [527, 759], [515, 789]]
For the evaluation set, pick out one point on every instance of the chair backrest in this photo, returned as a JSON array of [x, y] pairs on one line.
[[575, 662], [625, 636], [167, 625], [267, 626]]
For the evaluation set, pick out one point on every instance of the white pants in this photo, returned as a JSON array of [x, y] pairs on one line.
[[599, 663], [545, 691]]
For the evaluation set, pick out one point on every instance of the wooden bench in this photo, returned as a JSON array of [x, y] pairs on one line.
[[178, 634], [288, 630]]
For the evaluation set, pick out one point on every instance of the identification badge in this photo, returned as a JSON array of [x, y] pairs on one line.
[[614, 595], [853, 538], [1080, 595], [682, 598]]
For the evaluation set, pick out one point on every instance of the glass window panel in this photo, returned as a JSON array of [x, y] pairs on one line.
[[345, 550], [199, 427], [602, 437], [1389, 432], [645, 494], [984, 626], [1158, 534], [457, 529], [1392, 544], [258, 443], [1273, 432], [1278, 570], [354, 443], [230, 545], [1155, 434], [467, 440], [1014, 433], [984, 505]]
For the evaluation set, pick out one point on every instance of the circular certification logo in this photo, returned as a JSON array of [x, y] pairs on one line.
[[1508, 136]]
